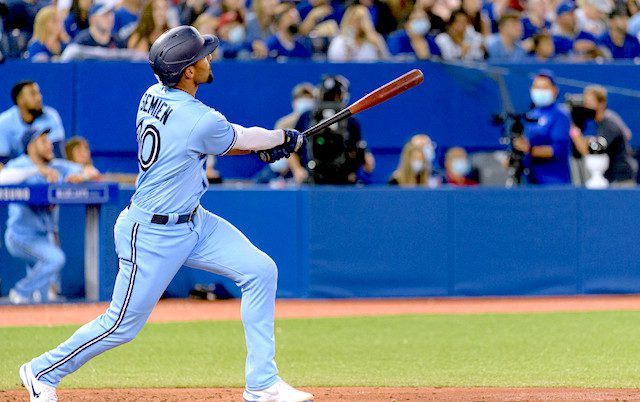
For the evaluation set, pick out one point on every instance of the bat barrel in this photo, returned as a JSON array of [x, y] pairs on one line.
[[388, 91]]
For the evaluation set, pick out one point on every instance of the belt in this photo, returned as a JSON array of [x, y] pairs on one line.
[[164, 219]]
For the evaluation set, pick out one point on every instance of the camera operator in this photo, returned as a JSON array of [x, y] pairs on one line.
[[545, 143], [609, 138], [337, 155]]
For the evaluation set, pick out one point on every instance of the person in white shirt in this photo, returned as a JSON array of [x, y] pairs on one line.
[[358, 39]]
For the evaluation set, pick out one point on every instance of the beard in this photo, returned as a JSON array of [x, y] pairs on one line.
[[210, 78], [36, 112]]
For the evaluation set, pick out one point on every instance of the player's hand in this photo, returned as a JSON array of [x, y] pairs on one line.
[[293, 140], [273, 154]]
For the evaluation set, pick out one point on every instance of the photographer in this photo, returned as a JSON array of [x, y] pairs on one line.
[[337, 155], [609, 138], [545, 143]]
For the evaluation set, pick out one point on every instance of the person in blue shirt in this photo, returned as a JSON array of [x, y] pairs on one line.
[[616, 40], [414, 40], [99, 32], [126, 18], [78, 18], [27, 112], [535, 19], [285, 43], [32, 232], [505, 45], [567, 39], [546, 143], [49, 38]]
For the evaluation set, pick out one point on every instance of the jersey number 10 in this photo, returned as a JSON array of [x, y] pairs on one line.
[[148, 145]]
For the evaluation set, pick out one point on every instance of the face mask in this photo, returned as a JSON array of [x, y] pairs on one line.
[[461, 167], [420, 26], [236, 34], [293, 29], [280, 166], [429, 153], [417, 166], [303, 105], [542, 97]]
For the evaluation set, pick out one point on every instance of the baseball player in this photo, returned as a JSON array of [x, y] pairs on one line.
[[165, 227], [32, 232]]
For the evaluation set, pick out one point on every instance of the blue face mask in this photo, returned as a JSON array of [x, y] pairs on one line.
[[542, 97], [280, 166], [302, 105], [420, 26], [429, 153], [461, 167]]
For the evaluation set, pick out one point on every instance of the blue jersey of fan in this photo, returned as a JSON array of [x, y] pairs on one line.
[[172, 149]]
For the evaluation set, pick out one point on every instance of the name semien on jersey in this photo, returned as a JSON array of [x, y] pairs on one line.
[[155, 107]]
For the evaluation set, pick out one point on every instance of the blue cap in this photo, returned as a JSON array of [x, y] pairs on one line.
[[548, 74], [99, 9], [565, 8], [31, 134]]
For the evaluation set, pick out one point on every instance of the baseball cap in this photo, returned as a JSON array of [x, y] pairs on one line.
[[565, 8], [31, 134], [99, 9], [548, 74]]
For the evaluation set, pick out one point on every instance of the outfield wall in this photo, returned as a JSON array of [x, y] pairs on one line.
[[98, 100], [387, 242]]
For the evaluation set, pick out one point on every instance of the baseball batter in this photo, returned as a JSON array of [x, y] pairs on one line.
[[164, 226]]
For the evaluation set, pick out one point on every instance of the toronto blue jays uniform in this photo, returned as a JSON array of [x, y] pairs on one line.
[[12, 127], [165, 227], [29, 231]]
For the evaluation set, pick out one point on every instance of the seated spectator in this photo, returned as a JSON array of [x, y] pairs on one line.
[[479, 21], [207, 25], [414, 40], [358, 39], [152, 24], [302, 100], [320, 20], [260, 18], [633, 28], [78, 18], [233, 37], [591, 16], [99, 32], [78, 151], [49, 38], [568, 40], [616, 42], [28, 112], [535, 19], [401, 9], [414, 169], [190, 10], [458, 169], [125, 18], [438, 23], [505, 45], [543, 48], [382, 18], [286, 43], [460, 41]]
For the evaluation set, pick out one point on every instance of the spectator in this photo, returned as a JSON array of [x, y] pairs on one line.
[[78, 18], [99, 32], [568, 40], [543, 48], [152, 24], [381, 16], [634, 22], [438, 23], [616, 42], [49, 38], [233, 37], [32, 232], [609, 128], [207, 25], [460, 42], [78, 151], [286, 43], [125, 18], [338, 154], [401, 9], [546, 141], [414, 169], [358, 39], [320, 19], [505, 46], [479, 21], [261, 17], [535, 19], [190, 10], [19, 22], [458, 169], [302, 100], [591, 16], [28, 112], [414, 40]]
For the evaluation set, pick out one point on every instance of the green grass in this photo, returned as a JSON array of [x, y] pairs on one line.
[[598, 349]]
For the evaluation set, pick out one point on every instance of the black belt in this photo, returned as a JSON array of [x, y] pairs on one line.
[[164, 219]]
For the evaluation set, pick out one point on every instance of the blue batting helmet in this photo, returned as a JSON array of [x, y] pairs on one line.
[[177, 49]]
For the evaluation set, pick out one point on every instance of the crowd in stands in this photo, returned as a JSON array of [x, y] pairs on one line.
[[333, 30]]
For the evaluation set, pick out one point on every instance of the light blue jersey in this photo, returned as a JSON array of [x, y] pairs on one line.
[[175, 133], [37, 221], [12, 127]]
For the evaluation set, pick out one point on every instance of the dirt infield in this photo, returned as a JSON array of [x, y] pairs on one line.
[[189, 310]]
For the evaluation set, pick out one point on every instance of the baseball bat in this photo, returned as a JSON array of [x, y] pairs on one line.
[[376, 97]]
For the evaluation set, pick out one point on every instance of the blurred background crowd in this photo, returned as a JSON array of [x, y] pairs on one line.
[[333, 30]]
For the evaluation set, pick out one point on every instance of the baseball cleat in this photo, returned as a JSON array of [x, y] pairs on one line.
[[278, 392], [38, 392]]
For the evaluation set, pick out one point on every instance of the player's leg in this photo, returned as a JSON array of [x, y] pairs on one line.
[[47, 259], [149, 255], [224, 250]]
